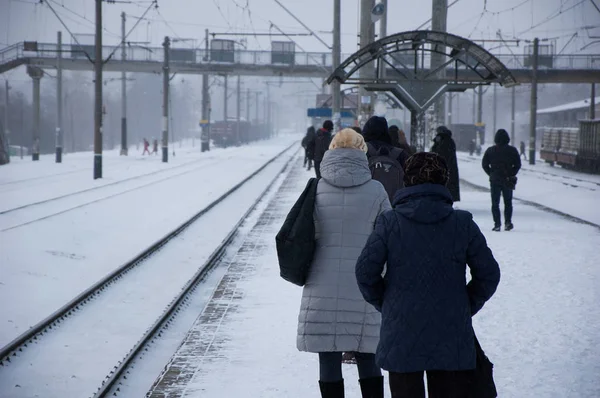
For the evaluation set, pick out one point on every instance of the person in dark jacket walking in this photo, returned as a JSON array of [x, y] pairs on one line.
[[502, 163], [425, 303], [399, 140], [523, 151], [472, 147], [308, 143], [377, 135], [444, 145], [322, 141]]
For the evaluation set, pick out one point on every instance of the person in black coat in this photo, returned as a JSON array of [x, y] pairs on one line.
[[322, 141], [376, 134], [425, 302], [502, 163], [444, 145], [308, 143]]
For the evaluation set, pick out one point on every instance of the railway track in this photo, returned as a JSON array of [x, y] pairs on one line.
[[26, 209], [57, 320], [571, 181], [100, 187]]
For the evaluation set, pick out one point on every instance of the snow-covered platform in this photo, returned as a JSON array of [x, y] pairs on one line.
[[540, 329]]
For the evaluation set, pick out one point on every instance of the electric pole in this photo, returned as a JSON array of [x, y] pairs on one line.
[[367, 35], [225, 99], [512, 115], [439, 17], [36, 74], [533, 106], [98, 93], [495, 106], [335, 86], [6, 128], [248, 105], [592, 102], [238, 110], [165, 127], [124, 149], [59, 100], [205, 135]]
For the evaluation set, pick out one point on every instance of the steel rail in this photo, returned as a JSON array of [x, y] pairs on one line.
[[57, 316], [115, 375]]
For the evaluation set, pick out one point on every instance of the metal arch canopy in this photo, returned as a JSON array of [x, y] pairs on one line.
[[458, 50]]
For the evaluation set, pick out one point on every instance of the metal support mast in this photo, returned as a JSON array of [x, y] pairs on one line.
[[512, 115], [367, 36], [439, 17], [592, 102], [495, 106], [205, 137], [225, 98], [124, 149], [59, 100], [238, 110], [335, 87], [165, 119], [98, 93], [6, 152], [36, 74], [533, 106]]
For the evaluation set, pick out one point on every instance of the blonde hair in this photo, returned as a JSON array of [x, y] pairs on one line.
[[348, 138]]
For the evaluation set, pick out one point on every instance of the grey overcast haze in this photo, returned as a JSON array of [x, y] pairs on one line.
[[572, 26], [558, 20]]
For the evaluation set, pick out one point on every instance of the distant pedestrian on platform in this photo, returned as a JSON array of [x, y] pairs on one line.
[[399, 140], [155, 147], [146, 147], [444, 145], [308, 143], [334, 317], [322, 141], [523, 150], [472, 147], [502, 163], [412, 270]]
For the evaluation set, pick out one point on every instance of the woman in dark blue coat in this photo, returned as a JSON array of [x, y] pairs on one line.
[[425, 302]]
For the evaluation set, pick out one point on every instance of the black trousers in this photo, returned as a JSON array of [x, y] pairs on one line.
[[330, 366], [318, 168], [440, 384], [507, 194]]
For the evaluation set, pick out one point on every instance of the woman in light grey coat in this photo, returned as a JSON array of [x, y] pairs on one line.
[[334, 317]]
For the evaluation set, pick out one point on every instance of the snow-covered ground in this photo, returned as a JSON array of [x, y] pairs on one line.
[[569, 192], [46, 263], [540, 329]]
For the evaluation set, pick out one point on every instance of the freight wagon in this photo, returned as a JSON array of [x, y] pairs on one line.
[[574, 148]]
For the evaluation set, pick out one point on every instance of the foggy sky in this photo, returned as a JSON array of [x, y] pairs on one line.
[[27, 20]]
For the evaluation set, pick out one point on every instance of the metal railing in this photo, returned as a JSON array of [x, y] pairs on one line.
[[246, 57]]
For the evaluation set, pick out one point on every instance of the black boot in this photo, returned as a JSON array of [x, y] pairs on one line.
[[371, 387], [332, 389]]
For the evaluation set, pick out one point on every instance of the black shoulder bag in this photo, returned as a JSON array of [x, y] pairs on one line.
[[482, 382], [295, 240]]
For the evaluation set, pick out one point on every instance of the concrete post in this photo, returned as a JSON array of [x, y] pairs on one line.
[[512, 115], [439, 17], [59, 100], [225, 98], [98, 63], [36, 74], [592, 102], [165, 119], [238, 110], [367, 35], [124, 149], [205, 135], [335, 86], [533, 105]]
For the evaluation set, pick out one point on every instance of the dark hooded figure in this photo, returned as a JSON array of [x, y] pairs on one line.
[[308, 143], [502, 163], [426, 304], [377, 135], [399, 140], [444, 145], [322, 141]]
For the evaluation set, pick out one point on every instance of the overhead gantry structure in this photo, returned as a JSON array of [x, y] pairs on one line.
[[402, 66]]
